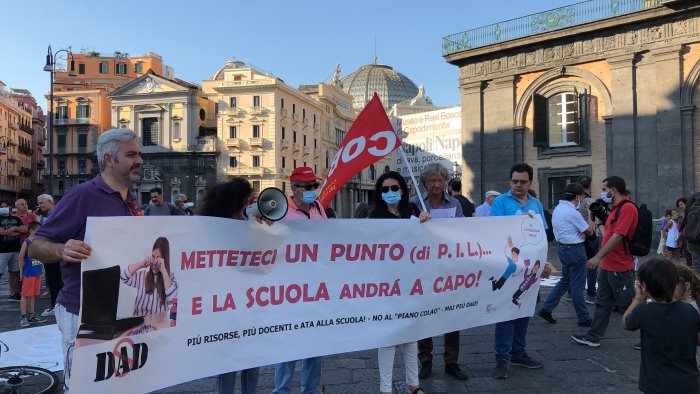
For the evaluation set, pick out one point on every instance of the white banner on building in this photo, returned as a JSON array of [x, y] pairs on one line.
[[431, 137], [242, 294]]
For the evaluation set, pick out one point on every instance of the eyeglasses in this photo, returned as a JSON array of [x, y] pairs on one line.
[[519, 181], [310, 186], [394, 188]]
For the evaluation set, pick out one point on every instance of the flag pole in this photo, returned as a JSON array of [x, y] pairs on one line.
[[413, 177]]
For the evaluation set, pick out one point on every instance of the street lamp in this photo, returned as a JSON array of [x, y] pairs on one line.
[[51, 68]]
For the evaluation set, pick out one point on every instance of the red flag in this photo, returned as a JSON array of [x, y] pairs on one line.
[[370, 138]]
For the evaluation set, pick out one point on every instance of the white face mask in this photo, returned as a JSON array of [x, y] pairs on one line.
[[604, 196]]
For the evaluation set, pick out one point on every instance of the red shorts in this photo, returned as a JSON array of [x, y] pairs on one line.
[[31, 286]]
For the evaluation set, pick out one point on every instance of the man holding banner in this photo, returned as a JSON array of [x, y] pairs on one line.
[[440, 205], [302, 205], [61, 238], [510, 336]]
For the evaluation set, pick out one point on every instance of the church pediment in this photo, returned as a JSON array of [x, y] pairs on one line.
[[147, 85]]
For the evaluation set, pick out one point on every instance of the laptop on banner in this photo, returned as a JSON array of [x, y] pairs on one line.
[[99, 303]]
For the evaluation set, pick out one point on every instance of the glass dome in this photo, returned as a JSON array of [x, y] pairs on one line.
[[391, 86]]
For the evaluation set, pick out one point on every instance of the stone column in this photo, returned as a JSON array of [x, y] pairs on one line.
[[472, 129], [622, 161], [688, 159], [646, 165], [608, 147], [498, 151], [669, 143]]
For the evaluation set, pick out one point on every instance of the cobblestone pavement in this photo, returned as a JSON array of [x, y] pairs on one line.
[[569, 367]]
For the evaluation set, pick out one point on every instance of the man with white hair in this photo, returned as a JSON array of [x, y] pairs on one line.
[[46, 204], [61, 238], [484, 209]]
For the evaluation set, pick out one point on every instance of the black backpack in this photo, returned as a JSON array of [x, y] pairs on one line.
[[640, 243], [692, 223]]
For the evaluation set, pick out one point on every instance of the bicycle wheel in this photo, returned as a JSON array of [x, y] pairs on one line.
[[27, 380]]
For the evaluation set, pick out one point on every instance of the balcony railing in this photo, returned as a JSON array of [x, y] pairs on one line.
[[257, 110], [234, 111], [284, 112], [259, 171], [26, 128], [13, 125], [233, 143], [256, 142], [70, 121], [558, 18], [70, 151]]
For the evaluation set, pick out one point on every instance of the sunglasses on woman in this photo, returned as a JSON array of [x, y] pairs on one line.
[[310, 186], [394, 188]]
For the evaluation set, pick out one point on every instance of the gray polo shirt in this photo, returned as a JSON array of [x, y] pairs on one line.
[[446, 203], [167, 209]]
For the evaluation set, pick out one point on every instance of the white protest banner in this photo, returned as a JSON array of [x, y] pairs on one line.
[[431, 137], [249, 294]]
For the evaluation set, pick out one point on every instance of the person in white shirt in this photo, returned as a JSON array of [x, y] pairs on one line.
[[484, 209], [570, 230]]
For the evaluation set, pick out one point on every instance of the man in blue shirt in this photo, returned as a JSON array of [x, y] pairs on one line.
[[510, 335]]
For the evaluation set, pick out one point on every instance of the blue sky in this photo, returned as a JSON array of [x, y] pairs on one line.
[[298, 41]]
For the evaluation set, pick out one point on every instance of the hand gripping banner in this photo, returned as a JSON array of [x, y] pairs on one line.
[[169, 299], [370, 138]]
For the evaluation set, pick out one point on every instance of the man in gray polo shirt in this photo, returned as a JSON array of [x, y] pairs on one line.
[[160, 208]]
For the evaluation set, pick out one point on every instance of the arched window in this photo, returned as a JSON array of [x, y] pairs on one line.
[[372, 172]]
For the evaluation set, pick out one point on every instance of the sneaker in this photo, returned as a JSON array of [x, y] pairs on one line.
[[568, 298], [637, 346], [23, 321], [48, 312], [45, 295], [16, 297], [526, 362], [501, 370], [590, 300], [546, 316], [36, 320], [585, 340]]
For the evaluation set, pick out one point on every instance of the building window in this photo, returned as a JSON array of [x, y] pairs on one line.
[[552, 182], [372, 172], [284, 131], [104, 68], [82, 143], [61, 142], [61, 186], [233, 162], [81, 68], [121, 69], [256, 131], [256, 101], [138, 67], [304, 139], [284, 162], [62, 112], [294, 108], [339, 136], [233, 102], [150, 131], [327, 158], [282, 103], [256, 161], [82, 111], [294, 163], [176, 131], [294, 137], [284, 187], [315, 143], [82, 166], [232, 132], [303, 113], [556, 120], [256, 187]]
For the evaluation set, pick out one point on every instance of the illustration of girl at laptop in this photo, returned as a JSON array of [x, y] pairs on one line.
[[155, 285]]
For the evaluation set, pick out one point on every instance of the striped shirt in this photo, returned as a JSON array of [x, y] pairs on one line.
[[148, 303]]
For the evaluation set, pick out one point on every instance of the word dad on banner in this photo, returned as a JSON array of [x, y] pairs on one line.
[[167, 300]]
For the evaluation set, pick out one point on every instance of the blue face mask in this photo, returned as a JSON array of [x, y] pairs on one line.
[[309, 196], [391, 198], [4, 211]]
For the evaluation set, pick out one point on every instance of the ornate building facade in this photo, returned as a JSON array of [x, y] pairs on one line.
[[266, 128], [616, 95], [16, 148], [176, 129], [82, 111]]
